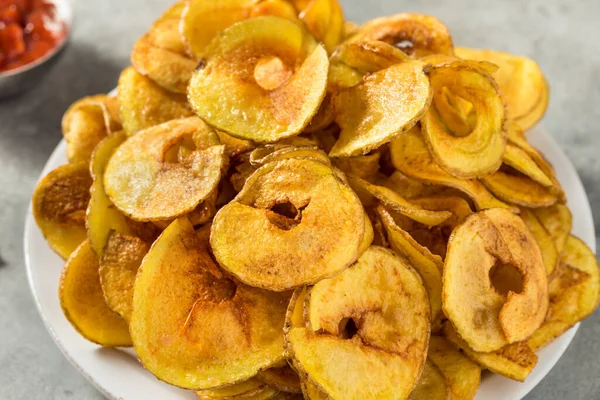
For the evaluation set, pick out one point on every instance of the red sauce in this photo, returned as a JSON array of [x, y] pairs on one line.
[[29, 29]]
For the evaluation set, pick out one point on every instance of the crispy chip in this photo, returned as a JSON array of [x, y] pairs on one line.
[[165, 171], [242, 62], [384, 347], [286, 204], [384, 105], [484, 316], [515, 188], [82, 301], [191, 325], [431, 385], [411, 157], [544, 240], [281, 378], [558, 221], [58, 204], [251, 389]]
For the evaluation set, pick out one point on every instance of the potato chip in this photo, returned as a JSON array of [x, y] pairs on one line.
[[378, 333], [521, 82], [544, 240], [312, 392], [364, 167], [287, 204], [409, 187], [85, 123], [574, 292], [82, 301], [160, 54], [431, 385], [58, 204], [118, 266], [428, 265], [251, 389], [324, 19], [192, 326], [281, 378], [165, 171], [267, 154], [411, 157], [274, 74], [480, 152], [514, 361], [397, 203], [486, 318], [384, 105], [513, 187], [144, 104], [462, 375], [518, 159], [417, 35], [558, 221]]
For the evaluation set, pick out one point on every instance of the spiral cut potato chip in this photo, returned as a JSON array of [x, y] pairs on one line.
[[86, 122], [514, 361], [521, 82], [260, 146], [144, 104], [160, 54], [487, 317], [411, 157], [574, 292], [274, 74], [286, 204], [191, 325], [381, 331], [480, 152], [391, 199], [83, 304], [58, 204], [384, 105], [462, 375], [165, 171], [417, 35]]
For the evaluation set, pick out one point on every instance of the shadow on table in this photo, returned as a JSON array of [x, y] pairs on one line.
[[31, 122]]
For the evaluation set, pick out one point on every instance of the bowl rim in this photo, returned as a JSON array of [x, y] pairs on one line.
[[66, 17]]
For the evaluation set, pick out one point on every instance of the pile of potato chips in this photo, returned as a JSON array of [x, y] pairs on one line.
[[279, 204]]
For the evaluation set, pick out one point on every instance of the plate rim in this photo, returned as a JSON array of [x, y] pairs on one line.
[[529, 385]]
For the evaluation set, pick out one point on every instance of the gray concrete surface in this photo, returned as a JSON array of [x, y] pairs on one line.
[[561, 34]]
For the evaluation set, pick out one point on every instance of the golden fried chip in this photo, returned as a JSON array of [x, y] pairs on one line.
[[431, 385], [462, 375], [521, 82], [417, 35], [165, 171], [514, 361], [287, 204], [274, 75], [192, 326], [281, 378], [513, 187], [251, 389], [312, 392], [160, 54], [58, 204], [428, 265], [486, 317], [365, 167], [83, 304], [543, 239], [119, 263], [411, 157], [458, 206], [85, 123], [518, 159], [409, 187], [392, 200], [480, 152], [144, 104], [269, 153], [574, 292], [324, 19], [384, 105], [558, 221], [379, 333]]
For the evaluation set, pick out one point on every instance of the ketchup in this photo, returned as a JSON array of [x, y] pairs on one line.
[[29, 29]]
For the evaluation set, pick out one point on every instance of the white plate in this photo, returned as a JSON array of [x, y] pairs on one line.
[[117, 373]]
